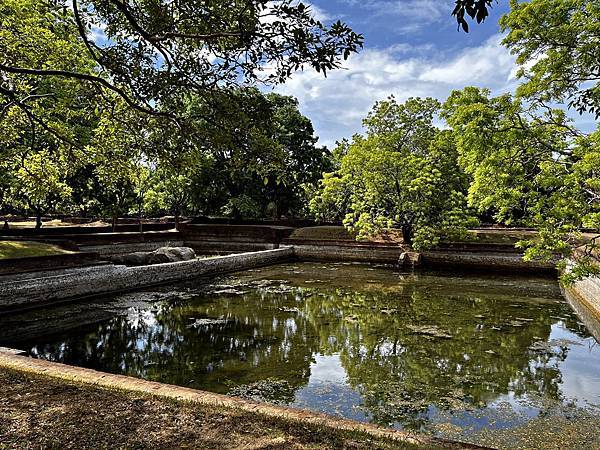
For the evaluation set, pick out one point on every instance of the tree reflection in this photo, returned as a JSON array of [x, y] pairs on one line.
[[405, 345]]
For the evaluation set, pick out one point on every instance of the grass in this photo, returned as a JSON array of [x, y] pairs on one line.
[[41, 412], [27, 249], [56, 223], [325, 233]]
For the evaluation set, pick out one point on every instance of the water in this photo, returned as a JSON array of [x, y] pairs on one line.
[[447, 354]]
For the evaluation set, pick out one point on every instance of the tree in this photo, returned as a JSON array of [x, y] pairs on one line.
[[41, 183], [259, 168], [149, 53], [303, 161], [171, 190], [556, 43], [44, 123], [530, 170], [402, 174], [163, 71], [118, 154]]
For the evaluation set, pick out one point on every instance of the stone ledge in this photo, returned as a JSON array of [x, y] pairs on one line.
[[69, 285], [10, 360], [584, 298], [38, 263]]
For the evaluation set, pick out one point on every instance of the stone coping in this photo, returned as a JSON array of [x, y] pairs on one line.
[[22, 293], [13, 359]]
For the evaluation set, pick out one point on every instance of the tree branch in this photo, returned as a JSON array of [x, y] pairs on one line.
[[91, 78]]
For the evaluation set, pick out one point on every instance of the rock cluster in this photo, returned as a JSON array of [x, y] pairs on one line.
[[160, 256]]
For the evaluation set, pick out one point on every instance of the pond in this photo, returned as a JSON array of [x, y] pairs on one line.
[[449, 354]]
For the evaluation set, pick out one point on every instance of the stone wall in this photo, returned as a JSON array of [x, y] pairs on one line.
[[584, 297], [358, 253], [74, 230], [49, 262], [106, 250], [52, 288], [493, 261]]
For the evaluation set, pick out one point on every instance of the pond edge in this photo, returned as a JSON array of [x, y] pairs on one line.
[[14, 360]]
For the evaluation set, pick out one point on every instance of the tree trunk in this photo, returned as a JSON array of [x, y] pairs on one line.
[[407, 234], [114, 222], [176, 214], [38, 220], [140, 214]]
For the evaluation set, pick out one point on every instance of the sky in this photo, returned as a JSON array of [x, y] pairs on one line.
[[412, 49]]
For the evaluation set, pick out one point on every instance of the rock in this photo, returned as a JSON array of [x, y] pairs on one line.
[[411, 259], [131, 259], [200, 323], [171, 254], [429, 330], [160, 256]]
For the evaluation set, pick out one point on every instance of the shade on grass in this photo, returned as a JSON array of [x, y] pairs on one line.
[[25, 249]]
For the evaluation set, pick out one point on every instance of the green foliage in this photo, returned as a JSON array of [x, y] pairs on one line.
[[41, 133], [41, 180], [556, 43], [251, 154], [169, 191], [150, 53], [529, 170], [402, 174], [76, 76]]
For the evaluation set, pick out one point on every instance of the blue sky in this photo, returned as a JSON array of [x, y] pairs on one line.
[[412, 49]]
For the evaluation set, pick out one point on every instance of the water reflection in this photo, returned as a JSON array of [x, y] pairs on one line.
[[359, 341]]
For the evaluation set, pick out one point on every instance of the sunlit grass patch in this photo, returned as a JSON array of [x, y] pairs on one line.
[[25, 249]]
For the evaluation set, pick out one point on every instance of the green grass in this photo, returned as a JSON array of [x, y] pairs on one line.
[[27, 249], [323, 233]]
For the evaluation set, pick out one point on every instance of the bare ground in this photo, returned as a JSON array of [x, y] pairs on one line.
[[41, 412]]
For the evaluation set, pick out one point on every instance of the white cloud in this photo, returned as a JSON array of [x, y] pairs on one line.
[[428, 10], [338, 104], [407, 16], [319, 13]]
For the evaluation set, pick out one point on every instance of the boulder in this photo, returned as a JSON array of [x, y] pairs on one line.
[[171, 254], [413, 259], [132, 259]]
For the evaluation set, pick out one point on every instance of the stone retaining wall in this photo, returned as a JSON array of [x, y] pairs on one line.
[[584, 297], [38, 263], [220, 248], [493, 261], [24, 293], [358, 253], [106, 250]]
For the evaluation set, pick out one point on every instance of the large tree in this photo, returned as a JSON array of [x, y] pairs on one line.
[[403, 174], [151, 52], [106, 84], [556, 43], [262, 167], [530, 169]]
